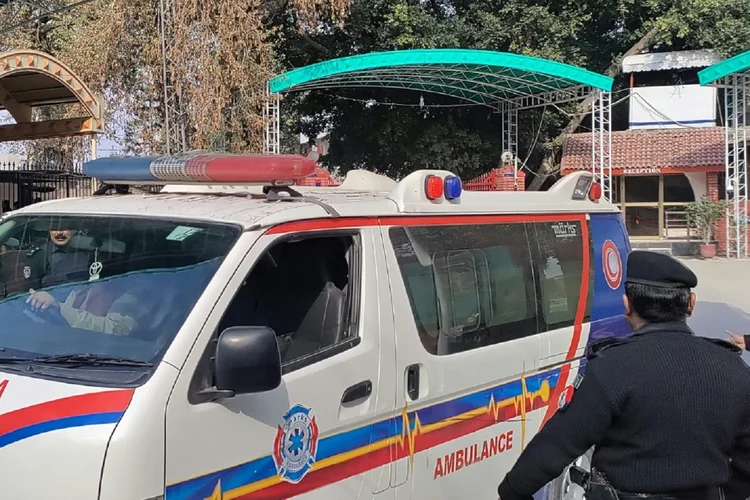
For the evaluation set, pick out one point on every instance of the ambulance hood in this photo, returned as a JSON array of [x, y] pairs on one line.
[[54, 435]]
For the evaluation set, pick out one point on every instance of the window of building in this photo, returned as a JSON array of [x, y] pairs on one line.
[[654, 205], [677, 189], [642, 189], [306, 291], [478, 285]]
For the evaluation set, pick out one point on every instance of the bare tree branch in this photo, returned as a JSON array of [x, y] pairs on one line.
[[312, 43], [547, 166]]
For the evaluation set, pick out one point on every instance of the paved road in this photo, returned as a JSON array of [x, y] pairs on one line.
[[723, 297]]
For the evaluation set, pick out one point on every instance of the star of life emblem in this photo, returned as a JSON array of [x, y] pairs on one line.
[[296, 444]]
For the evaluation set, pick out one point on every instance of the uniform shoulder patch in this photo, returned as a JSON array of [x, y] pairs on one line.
[[725, 344], [598, 347], [566, 395]]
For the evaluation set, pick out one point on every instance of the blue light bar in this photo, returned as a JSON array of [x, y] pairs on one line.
[[131, 169]]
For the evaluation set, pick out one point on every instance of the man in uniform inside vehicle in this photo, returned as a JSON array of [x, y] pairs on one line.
[[667, 412], [104, 307], [57, 261]]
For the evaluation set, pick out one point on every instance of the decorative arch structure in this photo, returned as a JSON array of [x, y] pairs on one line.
[[507, 83], [30, 79], [732, 77]]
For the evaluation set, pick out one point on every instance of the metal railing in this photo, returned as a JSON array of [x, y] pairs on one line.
[[23, 184], [676, 225]]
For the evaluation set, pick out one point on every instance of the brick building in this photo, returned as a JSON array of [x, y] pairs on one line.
[[672, 153]]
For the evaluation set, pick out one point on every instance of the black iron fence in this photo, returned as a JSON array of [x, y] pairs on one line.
[[22, 184]]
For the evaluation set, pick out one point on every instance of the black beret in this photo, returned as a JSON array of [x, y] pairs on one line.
[[659, 270]]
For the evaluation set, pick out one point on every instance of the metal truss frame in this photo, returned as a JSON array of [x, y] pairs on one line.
[[736, 93], [601, 142], [509, 135], [573, 94], [175, 139], [272, 118], [601, 113]]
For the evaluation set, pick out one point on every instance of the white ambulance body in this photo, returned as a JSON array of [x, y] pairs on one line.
[[358, 342]]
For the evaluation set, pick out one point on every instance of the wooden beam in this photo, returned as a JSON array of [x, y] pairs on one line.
[[21, 113], [50, 128]]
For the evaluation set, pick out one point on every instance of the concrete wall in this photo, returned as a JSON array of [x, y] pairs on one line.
[[699, 184]]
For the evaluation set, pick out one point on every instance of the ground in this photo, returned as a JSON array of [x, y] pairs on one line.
[[723, 302]]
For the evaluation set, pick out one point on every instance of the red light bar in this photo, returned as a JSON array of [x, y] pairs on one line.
[[260, 168]]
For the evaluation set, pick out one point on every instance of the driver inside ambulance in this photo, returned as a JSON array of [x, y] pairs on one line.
[[98, 307], [105, 306]]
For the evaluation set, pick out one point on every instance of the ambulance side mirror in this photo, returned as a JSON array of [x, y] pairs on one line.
[[247, 361]]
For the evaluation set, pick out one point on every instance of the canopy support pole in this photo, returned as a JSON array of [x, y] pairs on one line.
[[510, 128], [601, 143], [271, 115], [735, 109]]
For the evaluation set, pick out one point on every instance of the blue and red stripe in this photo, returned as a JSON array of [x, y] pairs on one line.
[[452, 411], [75, 411]]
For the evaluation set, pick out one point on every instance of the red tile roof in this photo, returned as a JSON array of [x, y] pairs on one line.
[[678, 149]]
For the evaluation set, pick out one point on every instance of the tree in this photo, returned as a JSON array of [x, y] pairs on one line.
[[589, 33], [221, 57]]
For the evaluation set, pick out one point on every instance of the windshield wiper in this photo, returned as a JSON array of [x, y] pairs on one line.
[[78, 360]]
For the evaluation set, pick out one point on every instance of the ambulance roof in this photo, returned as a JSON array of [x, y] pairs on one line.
[[362, 195]]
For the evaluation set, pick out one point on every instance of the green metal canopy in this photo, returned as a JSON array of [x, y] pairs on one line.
[[734, 65], [478, 76]]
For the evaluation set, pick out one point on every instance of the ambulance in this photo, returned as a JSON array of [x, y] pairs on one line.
[[218, 332]]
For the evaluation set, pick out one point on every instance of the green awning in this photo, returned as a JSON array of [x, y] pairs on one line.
[[734, 65], [479, 76]]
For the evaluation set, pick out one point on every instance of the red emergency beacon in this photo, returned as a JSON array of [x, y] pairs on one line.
[[595, 192], [433, 187]]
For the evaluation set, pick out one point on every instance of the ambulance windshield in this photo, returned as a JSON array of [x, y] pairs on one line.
[[108, 286]]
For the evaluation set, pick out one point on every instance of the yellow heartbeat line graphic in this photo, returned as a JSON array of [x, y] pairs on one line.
[[520, 403], [216, 494]]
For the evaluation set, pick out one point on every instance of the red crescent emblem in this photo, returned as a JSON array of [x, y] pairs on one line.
[[612, 264]]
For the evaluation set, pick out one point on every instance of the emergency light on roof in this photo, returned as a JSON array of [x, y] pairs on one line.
[[436, 187], [204, 168], [452, 187]]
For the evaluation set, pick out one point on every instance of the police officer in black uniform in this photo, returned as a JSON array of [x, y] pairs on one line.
[[667, 412], [56, 262]]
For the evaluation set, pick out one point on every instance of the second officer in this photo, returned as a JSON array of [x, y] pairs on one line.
[[667, 412]]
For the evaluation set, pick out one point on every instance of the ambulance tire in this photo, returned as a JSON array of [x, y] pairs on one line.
[[562, 488]]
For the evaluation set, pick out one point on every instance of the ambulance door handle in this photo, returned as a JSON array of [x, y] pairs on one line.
[[357, 392], [412, 382]]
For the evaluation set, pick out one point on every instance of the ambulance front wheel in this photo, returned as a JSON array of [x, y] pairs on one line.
[[563, 488]]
